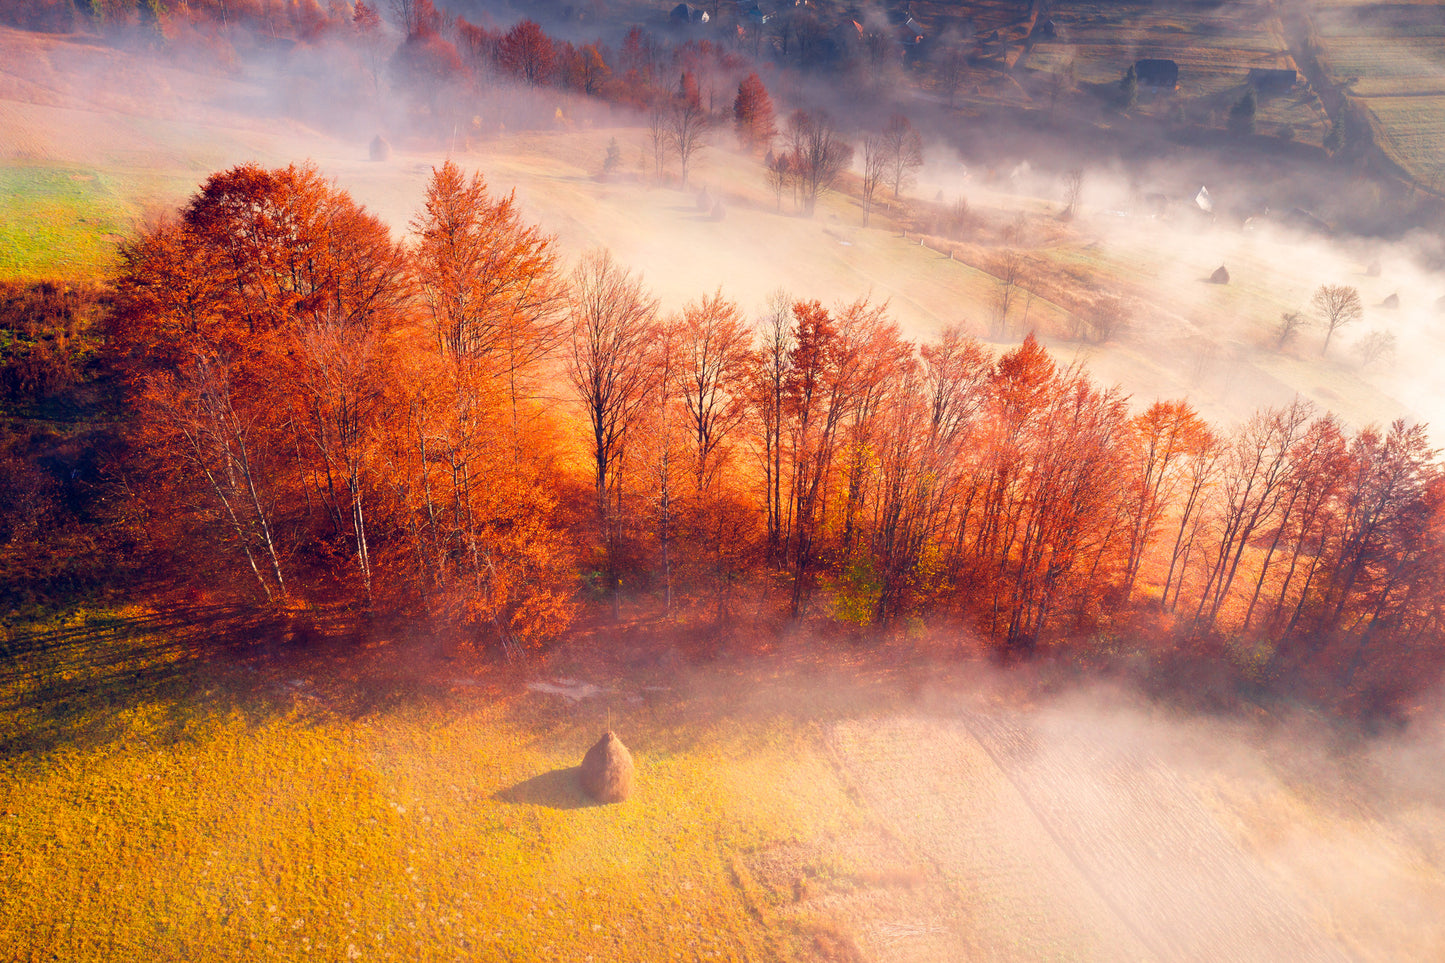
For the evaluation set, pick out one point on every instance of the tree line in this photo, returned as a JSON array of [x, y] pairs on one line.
[[460, 427]]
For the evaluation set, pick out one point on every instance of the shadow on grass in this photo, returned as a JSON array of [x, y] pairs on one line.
[[558, 789], [77, 684]]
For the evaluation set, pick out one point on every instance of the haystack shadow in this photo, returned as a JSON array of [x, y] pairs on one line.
[[558, 789]]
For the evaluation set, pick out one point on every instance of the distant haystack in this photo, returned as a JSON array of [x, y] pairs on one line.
[[1374, 269], [380, 149], [1220, 275], [717, 211], [606, 771], [704, 200], [1393, 301]]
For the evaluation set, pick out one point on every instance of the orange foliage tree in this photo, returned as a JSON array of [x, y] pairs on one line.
[[308, 436]]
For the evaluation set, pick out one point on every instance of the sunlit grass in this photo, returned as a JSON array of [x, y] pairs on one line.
[[218, 815], [59, 221]]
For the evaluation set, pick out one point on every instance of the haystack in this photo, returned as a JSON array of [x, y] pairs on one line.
[[1392, 302], [606, 771], [380, 149], [1220, 275], [1374, 268]]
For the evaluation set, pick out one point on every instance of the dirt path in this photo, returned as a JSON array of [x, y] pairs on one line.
[[1059, 845]]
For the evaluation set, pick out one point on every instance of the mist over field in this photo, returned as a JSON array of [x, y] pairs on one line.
[[1020, 564]]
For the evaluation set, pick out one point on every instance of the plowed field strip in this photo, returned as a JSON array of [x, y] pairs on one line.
[[1065, 846]]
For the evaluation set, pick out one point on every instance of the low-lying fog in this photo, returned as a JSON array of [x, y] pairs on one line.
[[1094, 823], [1138, 234]]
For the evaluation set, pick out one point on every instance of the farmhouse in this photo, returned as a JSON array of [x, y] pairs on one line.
[[1158, 74], [1269, 80]]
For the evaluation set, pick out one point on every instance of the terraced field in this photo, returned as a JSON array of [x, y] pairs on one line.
[[1082, 837], [1215, 46], [1391, 58]]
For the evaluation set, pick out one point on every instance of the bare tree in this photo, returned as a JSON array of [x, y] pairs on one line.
[[1336, 305], [818, 155], [780, 175], [875, 162], [715, 361], [404, 12], [951, 64], [776, 343], [1376, 346], [659, 115], [687, 125], [612, 334], [1073, 189], [902, 149], [1008, 268], [1061, 82], [1290, 324], [1107, 319]]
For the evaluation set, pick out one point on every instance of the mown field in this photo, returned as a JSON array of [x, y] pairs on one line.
[[156, 805], [1215, 47], [1391, 57], [174, 786]]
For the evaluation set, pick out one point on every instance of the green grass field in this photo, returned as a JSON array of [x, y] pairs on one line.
[[66, 221], [154, 805]]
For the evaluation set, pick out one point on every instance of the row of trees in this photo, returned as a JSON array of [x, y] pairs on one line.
[[332, 413]]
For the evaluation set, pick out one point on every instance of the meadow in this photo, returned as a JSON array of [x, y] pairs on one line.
[[176, 785], [167, 802]]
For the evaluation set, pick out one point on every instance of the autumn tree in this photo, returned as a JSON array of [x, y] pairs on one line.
[[489, 281], [1336, 305], [1161, 439], [612, 327], [303, 434], [583, 69], [527, 53], [923, 461], [817, 154], [267, 277], [771, 377], [753, 114]]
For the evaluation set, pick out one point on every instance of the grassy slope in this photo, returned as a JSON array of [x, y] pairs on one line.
[[143, 151]]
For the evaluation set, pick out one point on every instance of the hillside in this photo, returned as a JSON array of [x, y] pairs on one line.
[[84, 161]]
